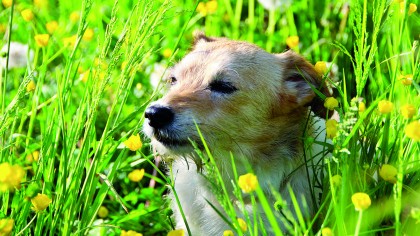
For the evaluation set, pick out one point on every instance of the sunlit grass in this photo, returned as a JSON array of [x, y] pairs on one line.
[[72, 163]]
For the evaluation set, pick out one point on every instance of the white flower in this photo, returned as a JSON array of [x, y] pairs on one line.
[[18, 55], [275, 4]]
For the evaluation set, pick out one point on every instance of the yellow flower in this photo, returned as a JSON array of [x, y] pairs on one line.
[[139, 86], [88, 35], [30, 86], [34, 156], [330, 103], [7, 3], [242, 225], [74, 16], [228, 233], [70, 41], [85, 76], [361, 201], [130, 233], [321, 67], [248, 182], [27, 15], [177, 232], [406, 79], [10, 176], [327, 232], [385, 106], [167, 53], [52, 26], [133, 142], [124, 65], [292, 41], [408, 111], [362, 107], [331, 128], [6, 226], [336, 180], [412, 130], [412, 8], [42, 39], [103, 212], [3, 28], [209, 7], [388, 173], [40, 202], [136, 175], [41, 3]]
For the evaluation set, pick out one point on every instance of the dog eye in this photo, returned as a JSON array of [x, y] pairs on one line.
[[222, 87], [172, 80]]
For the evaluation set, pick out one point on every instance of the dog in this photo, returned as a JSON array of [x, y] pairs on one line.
[[247, 103]]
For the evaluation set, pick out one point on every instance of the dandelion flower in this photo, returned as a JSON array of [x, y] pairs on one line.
[[3, 28], [136, 175], [242, 225], [385, 107], [27, 15], [52, 26], [88, 35], [41, 3], [228, 233], [326, 232], [362, 107], [70, 41], [139, 86], [330, 103], [177, 232], [42, 39], [133, 142], [331, 128], [248, 182], [321, 67], [40, 202], [6, 226], [167, 53], [412, 8], [388, 173], [130, 233], [361, 201], [7, 3], [336, 180], [408, 111], [103, 212], [406, 80], [74, 16], [207, 8], [10, 176], [292, 41], [85, 76], [30, 86], [412, 130]]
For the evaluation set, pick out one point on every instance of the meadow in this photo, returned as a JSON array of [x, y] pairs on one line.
[[76, 77]]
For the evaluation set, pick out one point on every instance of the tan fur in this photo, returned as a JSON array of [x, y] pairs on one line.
[[261, 123]]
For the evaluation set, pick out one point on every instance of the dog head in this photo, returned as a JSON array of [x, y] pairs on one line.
[[242, 98]]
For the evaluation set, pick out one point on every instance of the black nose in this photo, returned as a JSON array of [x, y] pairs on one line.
[[159, 116]]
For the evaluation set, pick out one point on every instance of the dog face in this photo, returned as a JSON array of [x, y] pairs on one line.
[[243, 99]]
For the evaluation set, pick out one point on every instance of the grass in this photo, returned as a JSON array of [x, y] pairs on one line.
[[67, 111]]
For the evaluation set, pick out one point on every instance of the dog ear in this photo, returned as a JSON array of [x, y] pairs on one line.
[[302, 85], [199, 37]]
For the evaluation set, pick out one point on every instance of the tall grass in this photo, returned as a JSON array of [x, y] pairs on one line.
[[68, 132]]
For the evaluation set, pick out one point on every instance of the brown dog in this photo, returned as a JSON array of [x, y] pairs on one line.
[[246, 102]]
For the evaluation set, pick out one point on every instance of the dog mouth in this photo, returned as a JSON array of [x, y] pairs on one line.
[[170, 141]]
